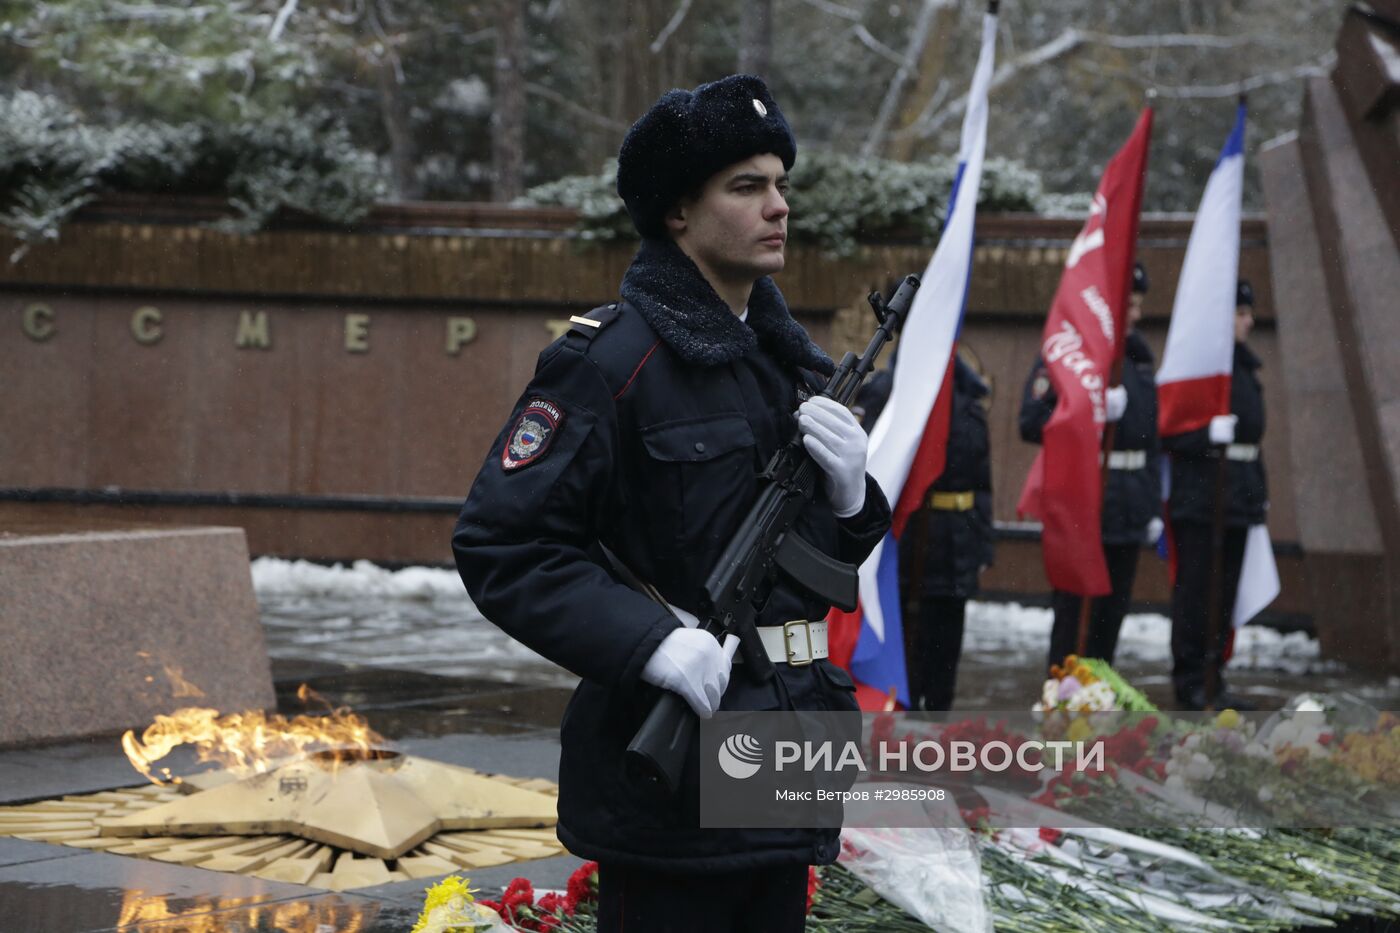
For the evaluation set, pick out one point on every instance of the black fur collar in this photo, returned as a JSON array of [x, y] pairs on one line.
[[673, 296]]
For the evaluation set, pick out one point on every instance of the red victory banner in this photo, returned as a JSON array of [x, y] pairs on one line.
[[1083, 339]]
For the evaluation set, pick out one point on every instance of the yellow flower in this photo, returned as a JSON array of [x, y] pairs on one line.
[[1079, 730], [1228, 719], [446, 907]]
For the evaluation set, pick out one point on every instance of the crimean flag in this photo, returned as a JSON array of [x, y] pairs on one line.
[[1193, 385]]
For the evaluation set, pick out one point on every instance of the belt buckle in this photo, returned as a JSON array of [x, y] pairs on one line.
[[788, 633]]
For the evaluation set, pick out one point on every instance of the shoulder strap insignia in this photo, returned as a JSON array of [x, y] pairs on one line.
[[588, 325]]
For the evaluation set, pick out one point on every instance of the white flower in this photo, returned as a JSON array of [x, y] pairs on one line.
[[1097, 696], [1266, 794], [1192, 741], [1200, 768], [1174, 782]]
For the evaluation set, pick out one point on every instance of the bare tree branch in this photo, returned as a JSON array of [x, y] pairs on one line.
[[1317, 68], [836, 9], [1170, 40], [918, 36], [677, 18], [876, 46], [280, 22], [933, 118], [583, 113]]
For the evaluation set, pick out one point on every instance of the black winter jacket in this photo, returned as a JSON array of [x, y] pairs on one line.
[[647, 435], [953, 546], [1194, 466], [1132, 498]]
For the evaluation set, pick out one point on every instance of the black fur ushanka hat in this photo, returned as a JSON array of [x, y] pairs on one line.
[[687, 136]]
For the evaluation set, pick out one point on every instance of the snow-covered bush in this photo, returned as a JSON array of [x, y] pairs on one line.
[[53, 161], [836, 200]]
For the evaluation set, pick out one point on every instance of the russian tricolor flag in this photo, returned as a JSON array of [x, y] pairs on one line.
[[1193, 384], [908, 444]]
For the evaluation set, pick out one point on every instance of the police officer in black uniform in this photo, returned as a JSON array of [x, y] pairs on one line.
[[1132, 502], [948, 541], [638, 445], [1195, 458]]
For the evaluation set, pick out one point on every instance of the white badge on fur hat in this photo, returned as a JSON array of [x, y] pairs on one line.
[[758, 105]]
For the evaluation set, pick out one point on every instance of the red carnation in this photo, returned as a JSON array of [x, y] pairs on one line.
[[553, 903], [1050, 834], [583, 885], [519, 896], [814, 881]]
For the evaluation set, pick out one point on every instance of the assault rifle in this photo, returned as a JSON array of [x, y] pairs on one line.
[[743, 578]]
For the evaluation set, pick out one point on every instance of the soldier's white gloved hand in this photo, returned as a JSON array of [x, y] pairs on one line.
[[1115, 402], [835, 439], [691, 663], [1222, 429], [1154, 530]]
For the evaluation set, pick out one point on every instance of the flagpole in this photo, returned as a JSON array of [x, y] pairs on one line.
[[1081, 644], [1115, 379]]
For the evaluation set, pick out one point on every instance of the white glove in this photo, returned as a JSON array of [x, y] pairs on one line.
[[1115, 402], [691, 663], [1154, 530], [835, 439], [1222, 429]]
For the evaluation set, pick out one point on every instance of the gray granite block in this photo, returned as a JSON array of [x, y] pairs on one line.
[[106, 629]]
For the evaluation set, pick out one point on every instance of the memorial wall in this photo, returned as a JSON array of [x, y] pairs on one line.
[[333, 392]]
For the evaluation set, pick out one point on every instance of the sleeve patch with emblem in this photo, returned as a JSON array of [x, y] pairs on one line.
[[1041, 385], [532, 434]]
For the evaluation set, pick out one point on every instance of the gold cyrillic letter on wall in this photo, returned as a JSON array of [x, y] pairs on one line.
[[357, 333], [145, 325], [253, 331], [38, 322], [460, 331]]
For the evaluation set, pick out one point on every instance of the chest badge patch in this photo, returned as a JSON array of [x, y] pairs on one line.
[[532, 434]]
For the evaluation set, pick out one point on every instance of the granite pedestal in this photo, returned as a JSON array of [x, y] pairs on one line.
[[1334, 230], [106, 627]]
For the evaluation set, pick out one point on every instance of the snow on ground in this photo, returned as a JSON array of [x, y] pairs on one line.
[[374, 619], [1010, 628], [417, 618], [276, 577]]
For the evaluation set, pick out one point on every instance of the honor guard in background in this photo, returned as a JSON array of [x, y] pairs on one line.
[[1132, 502], [948, 541], [633, 454], [1195, 458]]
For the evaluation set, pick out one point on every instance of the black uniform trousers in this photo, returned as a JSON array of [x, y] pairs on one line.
[[1191, 596], [933, 637], [755, 900], [1106, 614]]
